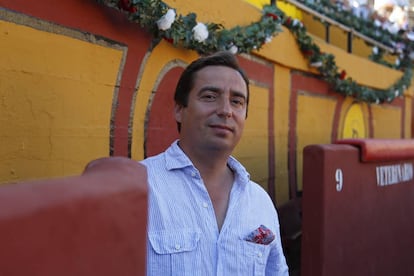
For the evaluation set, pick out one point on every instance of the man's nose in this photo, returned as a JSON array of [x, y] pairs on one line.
[[224, 108]]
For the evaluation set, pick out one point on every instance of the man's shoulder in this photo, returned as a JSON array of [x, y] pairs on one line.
[[170, 153], [257, 189], [151, 160], [252, 188], [258, 194]]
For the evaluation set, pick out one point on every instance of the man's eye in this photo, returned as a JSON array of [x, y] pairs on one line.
[[209, 97], [238, 101]]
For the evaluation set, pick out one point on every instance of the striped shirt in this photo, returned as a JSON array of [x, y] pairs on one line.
[[183, 236]]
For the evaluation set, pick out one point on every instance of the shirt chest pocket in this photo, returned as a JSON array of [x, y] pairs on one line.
[[256, 256], [175, 251]]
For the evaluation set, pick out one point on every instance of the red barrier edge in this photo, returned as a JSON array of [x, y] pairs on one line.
[[374, 150]]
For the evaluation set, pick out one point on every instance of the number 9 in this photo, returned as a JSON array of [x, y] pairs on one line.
[[339, 179]]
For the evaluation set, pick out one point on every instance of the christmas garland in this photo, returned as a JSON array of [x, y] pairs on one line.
[[184, 31]]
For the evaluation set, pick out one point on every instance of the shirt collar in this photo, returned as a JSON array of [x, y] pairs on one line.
[[176, 159]]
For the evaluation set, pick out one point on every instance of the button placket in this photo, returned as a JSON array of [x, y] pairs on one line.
[[195, 175], [202, 197]]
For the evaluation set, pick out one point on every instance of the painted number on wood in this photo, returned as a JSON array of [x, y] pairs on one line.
[[339, 178]]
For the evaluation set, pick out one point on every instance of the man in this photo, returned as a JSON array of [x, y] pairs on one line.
[[206, 217]]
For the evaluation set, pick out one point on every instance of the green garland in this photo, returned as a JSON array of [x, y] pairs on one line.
[[243, 39], [184, 31], [325, 64]]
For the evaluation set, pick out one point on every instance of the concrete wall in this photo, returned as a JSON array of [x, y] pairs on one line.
[[78, 81]]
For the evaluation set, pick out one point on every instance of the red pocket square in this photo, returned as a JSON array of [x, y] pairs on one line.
[[261, 235]]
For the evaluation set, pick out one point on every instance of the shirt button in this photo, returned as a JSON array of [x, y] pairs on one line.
[[205, 204], [259, 254], [177, 246], [193, 174]]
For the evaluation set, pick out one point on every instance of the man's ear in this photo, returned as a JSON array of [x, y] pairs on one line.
[[177, 112]]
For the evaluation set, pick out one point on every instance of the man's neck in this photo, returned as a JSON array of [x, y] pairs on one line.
[[210, 163]]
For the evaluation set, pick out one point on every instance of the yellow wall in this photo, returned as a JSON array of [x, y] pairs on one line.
[[56, 97], [287, 8], [360, 69], [408, 118], [218, 11], [58, 85], [281, 125], [339, 37], [354, 122], [253, 147], [314, 124], [258, 3], [386, 122]]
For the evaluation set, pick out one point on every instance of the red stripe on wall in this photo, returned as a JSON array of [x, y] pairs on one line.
[[337, 115], [309, 84], [161, 129]]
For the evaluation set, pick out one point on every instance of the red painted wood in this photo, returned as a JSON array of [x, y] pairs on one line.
[[161, 129], [360, 227], [370, 123], [375, 150], [93, 224], [337, 115], [309, 83], [257, 71]]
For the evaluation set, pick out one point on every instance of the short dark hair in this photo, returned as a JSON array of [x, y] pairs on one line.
[[186, 81]]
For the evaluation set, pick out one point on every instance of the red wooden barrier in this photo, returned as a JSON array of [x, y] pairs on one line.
[[358, 208], [93, 224]]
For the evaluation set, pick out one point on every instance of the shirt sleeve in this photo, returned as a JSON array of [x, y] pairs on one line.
[[276, 263]]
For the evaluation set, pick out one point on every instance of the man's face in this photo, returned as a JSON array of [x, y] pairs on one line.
[[216, 111]]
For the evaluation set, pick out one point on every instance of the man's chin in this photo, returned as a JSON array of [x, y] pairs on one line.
[[220, 145]]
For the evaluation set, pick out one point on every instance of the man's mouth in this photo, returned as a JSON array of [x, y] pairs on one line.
[[222, 127]]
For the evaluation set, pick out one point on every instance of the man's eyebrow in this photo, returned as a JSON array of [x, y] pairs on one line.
[[209, 88], [216, 89], [238, 94]]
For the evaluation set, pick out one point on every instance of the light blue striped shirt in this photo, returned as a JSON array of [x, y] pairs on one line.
[[183, 236]]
